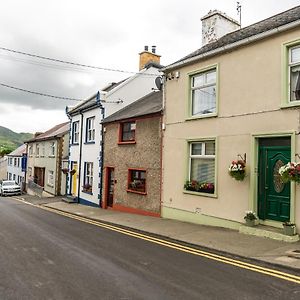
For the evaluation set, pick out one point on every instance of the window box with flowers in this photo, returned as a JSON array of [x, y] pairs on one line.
[[237, 170], [290, 172], [196, 186], [87, 188]]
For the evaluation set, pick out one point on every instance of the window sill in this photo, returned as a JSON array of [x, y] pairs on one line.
[[50, 185], [136, 192], [205, 116], [51, 156], [86, 192], [200, 194], [91, 142], [127, 143], [74, 144], [290, 104]]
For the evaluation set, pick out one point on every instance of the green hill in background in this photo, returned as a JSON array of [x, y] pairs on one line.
[[10, 140]]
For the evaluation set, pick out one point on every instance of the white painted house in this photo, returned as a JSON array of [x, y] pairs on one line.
[[14, 165], [85, 152]]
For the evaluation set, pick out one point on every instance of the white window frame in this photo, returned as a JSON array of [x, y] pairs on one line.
[[88, 174], [203, 86], [50, 178], [90, 129], [37, 149], [202, 156], [75, 132], [290, 66], [52, 149]]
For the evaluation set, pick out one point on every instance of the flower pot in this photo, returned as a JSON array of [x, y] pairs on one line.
[[250, 223], [289, 230]]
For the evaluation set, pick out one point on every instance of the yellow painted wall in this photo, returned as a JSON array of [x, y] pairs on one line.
[[250, 89]]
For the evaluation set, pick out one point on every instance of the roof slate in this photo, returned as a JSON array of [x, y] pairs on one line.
[[56, 131], [149, 104], [19, 151], [273, 22]]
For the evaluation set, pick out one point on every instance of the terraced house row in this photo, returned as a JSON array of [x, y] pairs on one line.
[[161, 142]]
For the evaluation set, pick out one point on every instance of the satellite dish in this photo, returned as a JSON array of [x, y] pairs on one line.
[[158, 82]]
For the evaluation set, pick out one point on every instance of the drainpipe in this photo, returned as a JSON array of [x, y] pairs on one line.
[[80, 154], [101, 159]]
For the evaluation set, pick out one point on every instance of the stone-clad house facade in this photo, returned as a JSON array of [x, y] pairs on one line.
[[132, 157], [86, 132], [235, 98]]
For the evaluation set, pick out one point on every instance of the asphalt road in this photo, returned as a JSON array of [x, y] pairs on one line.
[[48, 256]]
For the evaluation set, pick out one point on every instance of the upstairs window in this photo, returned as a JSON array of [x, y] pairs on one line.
[[127, 132], [294, 73], [37, 150], [75, 132], [52, 149], [90, 129], [203, 93]]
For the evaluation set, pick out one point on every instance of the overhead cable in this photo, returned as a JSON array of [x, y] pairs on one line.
[[72, 63]]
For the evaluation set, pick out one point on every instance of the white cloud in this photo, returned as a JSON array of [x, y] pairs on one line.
[[102, 33]]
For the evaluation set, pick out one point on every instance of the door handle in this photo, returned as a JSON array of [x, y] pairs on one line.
[[266, 187]]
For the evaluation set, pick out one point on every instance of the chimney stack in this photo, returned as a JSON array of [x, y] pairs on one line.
[[215, 25], [147, 57]]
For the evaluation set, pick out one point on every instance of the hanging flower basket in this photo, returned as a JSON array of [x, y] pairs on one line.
[[237, 170], [65, 170], [73, 171], [290, 172]]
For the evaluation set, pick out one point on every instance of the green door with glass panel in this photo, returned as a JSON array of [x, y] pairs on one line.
[[273, 193]]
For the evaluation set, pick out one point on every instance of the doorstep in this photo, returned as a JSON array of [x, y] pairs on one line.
[[69, 199], [268, 232]]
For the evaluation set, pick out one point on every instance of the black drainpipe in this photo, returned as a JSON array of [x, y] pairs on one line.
[[80, 154]]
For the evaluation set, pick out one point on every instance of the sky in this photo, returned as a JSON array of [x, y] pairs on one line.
[[106, 34]]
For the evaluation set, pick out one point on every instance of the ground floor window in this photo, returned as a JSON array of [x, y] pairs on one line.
[[51, 178], [201, 167], [137, 181], [88, 177]]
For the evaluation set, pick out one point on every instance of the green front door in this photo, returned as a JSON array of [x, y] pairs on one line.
[[273, 194]]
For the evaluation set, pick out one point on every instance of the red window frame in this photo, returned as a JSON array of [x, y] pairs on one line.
[[127, 131], [137, 181]]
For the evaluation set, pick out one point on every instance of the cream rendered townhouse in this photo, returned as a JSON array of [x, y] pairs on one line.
[[45, 154], [86, 131], [235, 98]]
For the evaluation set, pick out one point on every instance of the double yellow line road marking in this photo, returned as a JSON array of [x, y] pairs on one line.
[[177, 246]]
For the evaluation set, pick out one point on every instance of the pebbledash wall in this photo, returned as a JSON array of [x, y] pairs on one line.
[[144, 154], [250, 104]]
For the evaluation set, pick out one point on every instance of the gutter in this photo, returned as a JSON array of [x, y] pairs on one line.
[[234, 45]]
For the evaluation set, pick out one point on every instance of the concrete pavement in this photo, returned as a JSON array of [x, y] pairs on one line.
[[226, 240]]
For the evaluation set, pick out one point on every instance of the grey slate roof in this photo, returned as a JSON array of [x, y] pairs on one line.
[[149, 104], [273, 22], [19, 151], [55, 132], [91, 102]]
